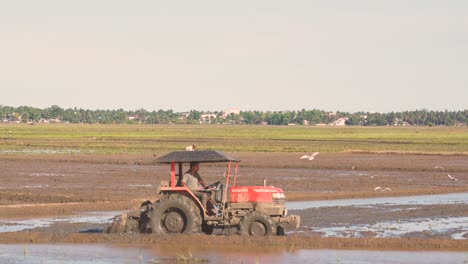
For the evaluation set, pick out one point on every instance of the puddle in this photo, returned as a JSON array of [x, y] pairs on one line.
[[35, 186], [41, 174], [98, 253], [452, 198], [88, 217], [44, 151], [71, 254], [453, 227]]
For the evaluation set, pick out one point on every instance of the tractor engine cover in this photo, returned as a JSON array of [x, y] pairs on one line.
[[256, 194]]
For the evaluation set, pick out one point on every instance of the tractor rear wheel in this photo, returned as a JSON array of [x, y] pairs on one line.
[[257, 224], [176, 214]]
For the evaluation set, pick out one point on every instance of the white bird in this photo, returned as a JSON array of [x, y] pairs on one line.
[[452, 178], [190, 148], [311, 156], [439, 167], [378, 188]]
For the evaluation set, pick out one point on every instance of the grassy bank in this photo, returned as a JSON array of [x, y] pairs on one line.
[[71, 138]]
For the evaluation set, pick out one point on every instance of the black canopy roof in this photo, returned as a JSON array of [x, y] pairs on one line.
[[195, 156]]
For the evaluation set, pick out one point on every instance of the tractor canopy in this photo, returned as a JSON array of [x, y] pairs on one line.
[[195, 156]]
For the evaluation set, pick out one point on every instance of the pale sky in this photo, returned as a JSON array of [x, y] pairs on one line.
[[366, 55]]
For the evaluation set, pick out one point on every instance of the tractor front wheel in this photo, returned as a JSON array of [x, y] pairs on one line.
[[176, 214], [257, 224]]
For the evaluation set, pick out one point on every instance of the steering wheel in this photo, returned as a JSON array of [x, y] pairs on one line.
[[212, 185]]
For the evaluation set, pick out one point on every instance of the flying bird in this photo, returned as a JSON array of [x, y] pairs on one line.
[[452, 178], [378, 188], [311, 156]]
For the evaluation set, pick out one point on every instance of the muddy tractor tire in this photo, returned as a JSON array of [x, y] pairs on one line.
[[176, 214], [257, 224]]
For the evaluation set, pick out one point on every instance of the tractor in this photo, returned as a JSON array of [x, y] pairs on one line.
[[252, 210]]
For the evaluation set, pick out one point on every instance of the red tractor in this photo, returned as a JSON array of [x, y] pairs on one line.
[[254, 210]]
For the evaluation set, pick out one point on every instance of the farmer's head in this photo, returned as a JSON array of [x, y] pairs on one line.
[[194, 166]]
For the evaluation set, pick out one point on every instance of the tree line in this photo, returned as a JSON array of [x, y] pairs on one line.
[[27, 114]]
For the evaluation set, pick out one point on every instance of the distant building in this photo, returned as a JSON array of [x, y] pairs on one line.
[[133, 117], [234, 111], [305, 122], [340, 122], [207, 118], [183, 116]]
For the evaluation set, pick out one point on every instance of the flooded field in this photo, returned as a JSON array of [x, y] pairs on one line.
[[399, 217], [441, 216], [88, 218], [146, 254], [68, 200], [435, 199]]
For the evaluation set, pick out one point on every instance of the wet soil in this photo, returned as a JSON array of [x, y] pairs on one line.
[[57, 185]]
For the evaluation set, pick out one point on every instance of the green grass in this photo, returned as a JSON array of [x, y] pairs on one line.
[[71, 138]]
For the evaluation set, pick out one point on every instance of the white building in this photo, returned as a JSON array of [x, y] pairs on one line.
[[234, 111], [206, 118], [340, 122]]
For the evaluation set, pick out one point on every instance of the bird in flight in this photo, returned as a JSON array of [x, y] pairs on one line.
[[451, 177], [310, 156], [378, 188]]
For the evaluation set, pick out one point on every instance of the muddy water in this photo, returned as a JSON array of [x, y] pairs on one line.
[[454, 228], [88, 217], [425, 216], [451, 198], [438, 216], [63, 253]]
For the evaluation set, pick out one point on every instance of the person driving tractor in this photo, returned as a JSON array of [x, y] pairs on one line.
[[193, 181]]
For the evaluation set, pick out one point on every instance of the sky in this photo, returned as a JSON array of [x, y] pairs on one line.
[[267, 55]]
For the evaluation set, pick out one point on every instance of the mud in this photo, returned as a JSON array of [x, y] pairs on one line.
[[63, 185]]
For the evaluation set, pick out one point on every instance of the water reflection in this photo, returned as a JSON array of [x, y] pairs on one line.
[[146, 254]]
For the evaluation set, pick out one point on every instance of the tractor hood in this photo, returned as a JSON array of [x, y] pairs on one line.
[[195, 156]]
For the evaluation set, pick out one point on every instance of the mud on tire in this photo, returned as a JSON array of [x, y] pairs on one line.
[[174, 214], [257, 224]]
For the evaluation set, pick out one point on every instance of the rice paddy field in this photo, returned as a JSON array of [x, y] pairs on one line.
[[371, 191], [112, 139]]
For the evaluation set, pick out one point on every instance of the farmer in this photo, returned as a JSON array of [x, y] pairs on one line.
[[194, 182]]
